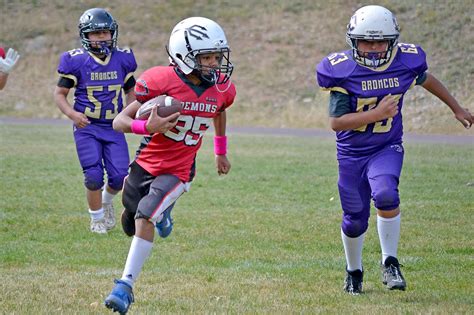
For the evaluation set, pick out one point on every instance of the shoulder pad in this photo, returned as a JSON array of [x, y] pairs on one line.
[[71, 61], [150, 83], [412, 56], [335, 68]]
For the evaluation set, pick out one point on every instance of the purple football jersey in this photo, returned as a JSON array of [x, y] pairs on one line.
[[366, 87], [98, 83]]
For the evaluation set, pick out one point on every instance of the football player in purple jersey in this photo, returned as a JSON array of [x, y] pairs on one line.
[[101, 74], [367, 85]]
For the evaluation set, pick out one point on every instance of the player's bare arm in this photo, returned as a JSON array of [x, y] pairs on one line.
[[434, 86], [130, 97], [155, 123], [3, 79], [60, 97], [387, 107], [222, 163], [123, 120]]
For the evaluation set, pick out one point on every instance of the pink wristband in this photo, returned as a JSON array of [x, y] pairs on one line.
[[139, 127], [220, 145]]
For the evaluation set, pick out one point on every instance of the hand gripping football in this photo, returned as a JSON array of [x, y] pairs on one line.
[[167, 105]]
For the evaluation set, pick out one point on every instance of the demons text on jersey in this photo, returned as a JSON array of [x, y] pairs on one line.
[[200, 107], [100, 76], [386, 83]]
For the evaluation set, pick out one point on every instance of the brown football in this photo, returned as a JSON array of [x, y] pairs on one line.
[[167, 105]]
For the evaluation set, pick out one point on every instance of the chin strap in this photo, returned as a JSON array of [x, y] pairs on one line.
[[225, 90]]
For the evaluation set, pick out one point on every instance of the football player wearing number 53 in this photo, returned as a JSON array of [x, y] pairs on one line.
[[367, 85], [165, 164], [101, 73]]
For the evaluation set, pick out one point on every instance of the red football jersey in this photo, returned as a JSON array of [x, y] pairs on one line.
[[2, 53], [174, 152]]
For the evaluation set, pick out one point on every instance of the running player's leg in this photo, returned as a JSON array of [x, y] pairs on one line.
[[354, 192], [116, 162], [136, 186], [384, 175], [163, 192], [89, 152]]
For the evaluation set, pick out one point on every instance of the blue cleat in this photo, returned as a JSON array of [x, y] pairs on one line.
[[121, 297], [165, 226]]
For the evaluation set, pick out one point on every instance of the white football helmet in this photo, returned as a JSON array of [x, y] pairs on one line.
[[199, 35], [372, 22]]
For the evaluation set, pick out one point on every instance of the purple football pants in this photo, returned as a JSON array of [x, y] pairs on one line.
[[100, 147], [364, 178]]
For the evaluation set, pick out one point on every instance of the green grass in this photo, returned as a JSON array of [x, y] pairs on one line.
[[264, 239]]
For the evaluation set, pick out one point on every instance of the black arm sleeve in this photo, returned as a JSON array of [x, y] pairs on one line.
[[421, 78], [339, 104], [129, 84], [65, 82]]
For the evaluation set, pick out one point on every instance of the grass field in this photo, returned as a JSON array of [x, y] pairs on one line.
[[264, 239]]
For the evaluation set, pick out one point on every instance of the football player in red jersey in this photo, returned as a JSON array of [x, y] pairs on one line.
[[198, 76], [7, 62]]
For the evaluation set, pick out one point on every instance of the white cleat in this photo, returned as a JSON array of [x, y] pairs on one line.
[[109, 215], [98, 227]]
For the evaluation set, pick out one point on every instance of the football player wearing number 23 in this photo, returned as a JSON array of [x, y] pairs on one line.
[[165, 164], [367, 85], [101, 74]]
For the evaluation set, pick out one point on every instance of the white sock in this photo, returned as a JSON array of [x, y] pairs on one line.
[[389, 235], [353, 250], [107, 197], [139, 251], [97, 215]]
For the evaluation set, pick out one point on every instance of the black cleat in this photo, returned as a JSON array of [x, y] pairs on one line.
[[353, 282], [391, 275], [128, 222]]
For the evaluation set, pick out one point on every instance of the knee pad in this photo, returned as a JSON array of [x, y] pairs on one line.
[[386, 196], [354, 225], [94, 178], [152, 202], [116, 182], [164, 191]]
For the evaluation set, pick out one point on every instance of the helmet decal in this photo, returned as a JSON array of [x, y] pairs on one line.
[[197, 32]]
